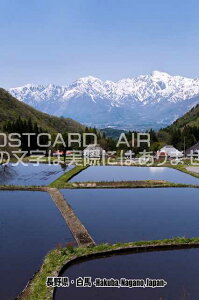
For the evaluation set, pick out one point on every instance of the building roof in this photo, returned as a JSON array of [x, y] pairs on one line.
[[171, 151], [168, 147], [194, 148], [93, 147]]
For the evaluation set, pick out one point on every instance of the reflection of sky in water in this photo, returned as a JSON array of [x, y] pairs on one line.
[[30, 174], [124, 173], [180, 268], [156, 170], [124, 215], [30, 226]]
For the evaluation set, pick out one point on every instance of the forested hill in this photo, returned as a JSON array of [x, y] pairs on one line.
[[184, 132], [191, 118], [11, 109]]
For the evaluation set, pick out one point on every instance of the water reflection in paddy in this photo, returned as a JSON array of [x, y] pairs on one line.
[[123, 215], [119, 173], [30, 226], [31, 174], [180, 268]]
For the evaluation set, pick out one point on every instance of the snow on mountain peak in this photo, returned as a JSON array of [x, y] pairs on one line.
[[145, 88], [88, 79], [159, 74], [144, 101]]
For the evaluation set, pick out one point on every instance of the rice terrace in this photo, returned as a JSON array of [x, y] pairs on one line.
[[86, 222], [99, 150]]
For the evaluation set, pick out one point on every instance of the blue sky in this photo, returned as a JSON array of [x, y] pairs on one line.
[[45, 41]]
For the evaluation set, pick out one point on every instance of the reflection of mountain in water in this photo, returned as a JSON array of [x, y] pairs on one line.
[[7, 172], [31, 174]]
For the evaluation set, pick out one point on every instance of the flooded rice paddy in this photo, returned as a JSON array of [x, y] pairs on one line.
[[179, 268], [29, 174], [124, 215], [30, 226], [124, 173]]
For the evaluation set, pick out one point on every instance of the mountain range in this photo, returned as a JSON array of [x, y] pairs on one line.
[[147, 101]]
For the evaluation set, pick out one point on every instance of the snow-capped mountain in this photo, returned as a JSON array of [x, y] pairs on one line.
[[142, 102]]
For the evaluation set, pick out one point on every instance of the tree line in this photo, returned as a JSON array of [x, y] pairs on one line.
[[179, 138], [21, 126]]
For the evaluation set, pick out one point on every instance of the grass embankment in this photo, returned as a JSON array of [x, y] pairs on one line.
[[22, 188], [123, 184], [58, 258], [62, 180], [183, 167]]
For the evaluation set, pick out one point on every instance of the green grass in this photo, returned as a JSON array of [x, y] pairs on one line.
[[62, 180], [123, 184], [57, 258], [22, 187]]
